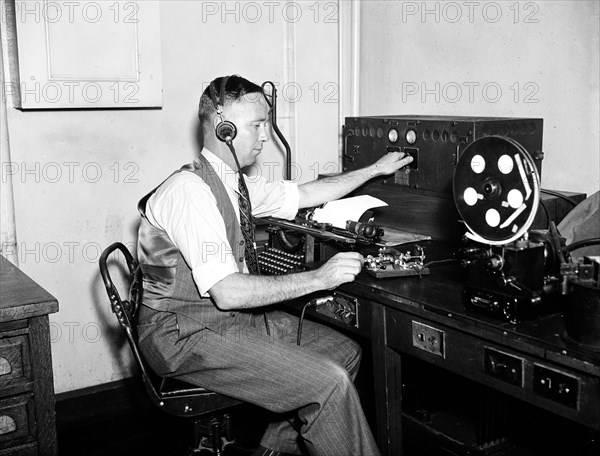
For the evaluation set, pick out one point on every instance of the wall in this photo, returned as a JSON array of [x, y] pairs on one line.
[[78, 175], [521, 59]]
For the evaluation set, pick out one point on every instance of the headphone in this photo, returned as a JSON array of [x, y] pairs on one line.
[[225, 130]]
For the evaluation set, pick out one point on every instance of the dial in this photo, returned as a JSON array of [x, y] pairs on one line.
[[411, 136]]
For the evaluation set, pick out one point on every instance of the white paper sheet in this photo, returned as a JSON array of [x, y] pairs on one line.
[[338, 212]]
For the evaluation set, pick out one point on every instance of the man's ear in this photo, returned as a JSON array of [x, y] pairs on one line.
[[215, 120]]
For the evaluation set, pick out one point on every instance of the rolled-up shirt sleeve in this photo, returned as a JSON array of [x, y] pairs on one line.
[[186, 209], [273, 199]]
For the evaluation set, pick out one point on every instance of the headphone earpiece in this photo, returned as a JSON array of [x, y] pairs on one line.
[[225, 130]]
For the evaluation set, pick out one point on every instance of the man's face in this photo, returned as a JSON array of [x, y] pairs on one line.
[[250, 114]]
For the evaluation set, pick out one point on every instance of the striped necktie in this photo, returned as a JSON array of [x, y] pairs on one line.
[[247, 226]]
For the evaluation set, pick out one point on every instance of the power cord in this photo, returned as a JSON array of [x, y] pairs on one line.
[[583, 243], [560, 195], [420, 269], [313, 302], [545, 208]]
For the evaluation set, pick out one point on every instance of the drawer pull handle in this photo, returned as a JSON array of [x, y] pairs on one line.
[[5, 367], [7, 425]]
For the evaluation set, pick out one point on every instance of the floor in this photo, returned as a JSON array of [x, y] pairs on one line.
[[112, 424], [122, 421], [126, 423], [151, 434]]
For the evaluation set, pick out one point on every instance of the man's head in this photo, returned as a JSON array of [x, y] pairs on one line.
[[242, 103]]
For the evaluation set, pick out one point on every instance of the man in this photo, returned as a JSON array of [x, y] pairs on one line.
[[202, 318]]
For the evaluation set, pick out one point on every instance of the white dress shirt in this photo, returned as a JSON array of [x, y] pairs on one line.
[[186, 209]]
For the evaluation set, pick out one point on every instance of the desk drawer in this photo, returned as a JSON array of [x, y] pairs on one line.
[[499, 367], [16, 420], [14, 361]]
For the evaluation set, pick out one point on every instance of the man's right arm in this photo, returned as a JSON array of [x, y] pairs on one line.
[[245, 291], [186, 210]]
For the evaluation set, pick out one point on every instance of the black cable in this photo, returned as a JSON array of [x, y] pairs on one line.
[[555, 241], [240, 174], [545, 210], [299, 334], [436, 262], [420, 269], [273, 105], [243, 181], [583, 243], [313, 302], [560, 195]]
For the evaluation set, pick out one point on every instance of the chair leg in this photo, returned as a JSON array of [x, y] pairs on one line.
[[212, 434], [198, 435], [216, 436], [228, 432]]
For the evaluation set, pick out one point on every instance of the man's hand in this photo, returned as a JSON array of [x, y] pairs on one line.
[[391, 162], [331, 188], [248, 291], [341, 268]]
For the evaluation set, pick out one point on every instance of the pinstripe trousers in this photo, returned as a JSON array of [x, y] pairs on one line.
[[271, 371]]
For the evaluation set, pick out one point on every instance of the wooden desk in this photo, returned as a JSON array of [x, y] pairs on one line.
[[469, 366], [27, 421]]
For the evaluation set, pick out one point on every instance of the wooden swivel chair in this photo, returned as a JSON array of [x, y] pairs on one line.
[[205, 408]]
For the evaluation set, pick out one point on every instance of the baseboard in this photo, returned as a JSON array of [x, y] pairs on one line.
[[101, 402]]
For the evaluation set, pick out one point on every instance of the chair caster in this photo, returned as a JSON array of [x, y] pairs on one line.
[[212, 435], [206, 447]]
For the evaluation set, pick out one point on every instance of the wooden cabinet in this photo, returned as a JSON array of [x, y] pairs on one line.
[[27, 421], [446, 377]]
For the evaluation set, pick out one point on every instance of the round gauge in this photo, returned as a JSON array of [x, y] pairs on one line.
[[393, 135], [411, 136]]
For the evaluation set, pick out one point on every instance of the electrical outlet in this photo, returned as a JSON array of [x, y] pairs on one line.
[[342, 308], [428, 338], [503, 366], [556, 385]]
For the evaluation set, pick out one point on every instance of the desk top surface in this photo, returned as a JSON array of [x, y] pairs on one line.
[[20, 296], [438, 296]]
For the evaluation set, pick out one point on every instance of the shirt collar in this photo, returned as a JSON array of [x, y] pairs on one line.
[[227, 175]]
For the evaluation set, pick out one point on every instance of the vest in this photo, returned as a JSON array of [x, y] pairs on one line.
[[168, 281]]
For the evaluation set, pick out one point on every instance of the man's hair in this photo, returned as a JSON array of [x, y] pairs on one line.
[[235, 88]]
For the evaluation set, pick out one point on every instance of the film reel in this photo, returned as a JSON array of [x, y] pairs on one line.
[[496, 190]]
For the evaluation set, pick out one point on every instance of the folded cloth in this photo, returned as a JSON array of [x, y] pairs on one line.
[[583, 223]]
